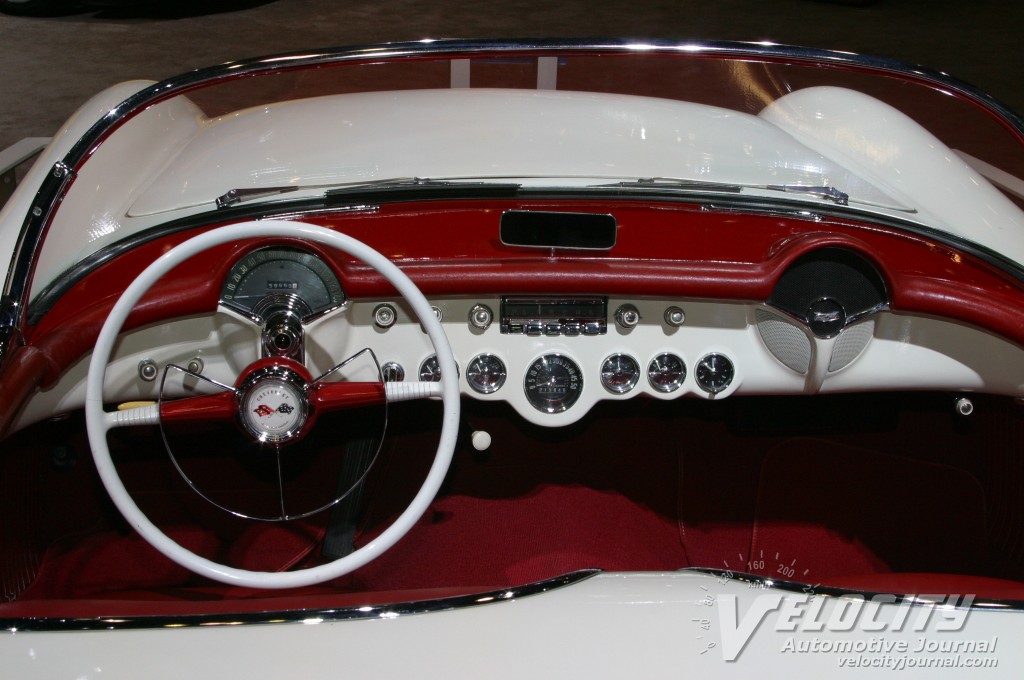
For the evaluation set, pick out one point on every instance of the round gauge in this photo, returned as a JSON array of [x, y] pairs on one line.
[[430, 371], [666, 372], [553, 383], [486, 373], [281, 272], [714, 373], [620, 373]]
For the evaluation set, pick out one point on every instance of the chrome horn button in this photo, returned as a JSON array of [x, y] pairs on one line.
[[274, 406]]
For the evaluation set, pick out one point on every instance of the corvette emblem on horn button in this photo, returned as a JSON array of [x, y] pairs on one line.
[[273, 404]]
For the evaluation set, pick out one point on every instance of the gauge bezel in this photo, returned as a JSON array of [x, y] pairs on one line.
[[553, 405], [625, 389], [702, 383], [252, 259], [486, 356], [666, 389], [435, 373]]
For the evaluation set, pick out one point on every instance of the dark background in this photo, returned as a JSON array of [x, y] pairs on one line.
[[52, 65]]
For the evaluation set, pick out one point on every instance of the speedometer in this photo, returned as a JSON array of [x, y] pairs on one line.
[[553, 383], [281, 273]]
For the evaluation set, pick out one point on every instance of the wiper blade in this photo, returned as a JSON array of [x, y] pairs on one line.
[[421, 189], [828, 193], [386, 189], [658, 183], [671, 184], [235, 196]]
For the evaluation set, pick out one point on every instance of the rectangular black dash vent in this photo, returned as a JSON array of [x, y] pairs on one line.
[[538, 229]]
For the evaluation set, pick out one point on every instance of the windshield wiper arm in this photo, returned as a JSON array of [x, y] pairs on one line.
[[235, 196], [828, 193]]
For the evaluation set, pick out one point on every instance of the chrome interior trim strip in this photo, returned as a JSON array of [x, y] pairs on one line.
[[306, 616], [13, 303]]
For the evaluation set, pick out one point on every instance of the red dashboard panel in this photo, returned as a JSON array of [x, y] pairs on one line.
[[664, 249]]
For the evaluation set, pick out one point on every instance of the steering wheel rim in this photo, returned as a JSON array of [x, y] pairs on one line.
[[98, 423]]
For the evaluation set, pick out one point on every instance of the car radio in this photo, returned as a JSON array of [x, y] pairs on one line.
[[554, 315]]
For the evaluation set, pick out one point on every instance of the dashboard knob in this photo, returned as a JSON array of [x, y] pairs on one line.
[[393, 372], [964, 406], [148, 370], [627, 316], [384, 316], [480, 316], [481, 440], [674, 316]]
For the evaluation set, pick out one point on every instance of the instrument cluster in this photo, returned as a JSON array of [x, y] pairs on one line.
[[553, 358]]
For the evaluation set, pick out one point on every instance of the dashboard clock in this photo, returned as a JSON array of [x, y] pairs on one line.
[[714, 373]]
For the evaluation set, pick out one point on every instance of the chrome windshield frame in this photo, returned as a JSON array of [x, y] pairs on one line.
[[14, 300]]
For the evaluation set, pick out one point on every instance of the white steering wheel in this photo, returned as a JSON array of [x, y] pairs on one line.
[[99, 421]]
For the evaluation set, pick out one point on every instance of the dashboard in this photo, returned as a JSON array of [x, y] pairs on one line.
[[553, 357], [825, 327]]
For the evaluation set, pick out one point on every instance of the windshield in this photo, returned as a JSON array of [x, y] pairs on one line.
[[758, 124]]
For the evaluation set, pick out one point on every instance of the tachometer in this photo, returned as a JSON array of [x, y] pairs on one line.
[[281, 273]]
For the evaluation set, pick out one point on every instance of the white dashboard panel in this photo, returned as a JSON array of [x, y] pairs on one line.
[[903, 352]]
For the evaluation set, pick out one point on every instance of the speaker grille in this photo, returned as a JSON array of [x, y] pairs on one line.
[[787, 343], [850, 343], [832, 281]]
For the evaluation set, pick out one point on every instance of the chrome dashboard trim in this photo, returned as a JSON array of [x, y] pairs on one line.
[[14, 300], [804, 324], [293, 616]]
